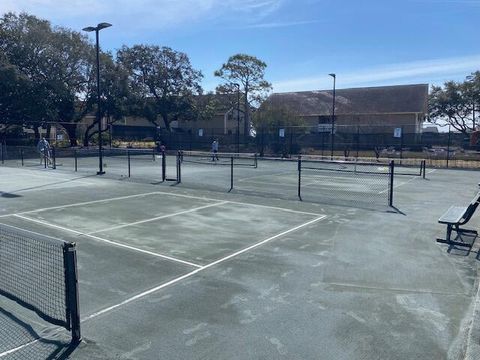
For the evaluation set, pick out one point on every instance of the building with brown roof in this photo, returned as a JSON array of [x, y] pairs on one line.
[[373, 109]]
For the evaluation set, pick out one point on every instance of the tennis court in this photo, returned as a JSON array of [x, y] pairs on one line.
[[177, 271]]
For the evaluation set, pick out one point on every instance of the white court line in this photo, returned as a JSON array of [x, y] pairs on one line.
[[161, 193], [55, 177], [11, 351], [243, 203], [171, 282], [159, 217], [86, 203], [108, 241], [406, 182]]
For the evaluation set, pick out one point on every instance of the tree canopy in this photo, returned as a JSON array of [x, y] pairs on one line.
[[248, 72], [162, 80], [455, 103]]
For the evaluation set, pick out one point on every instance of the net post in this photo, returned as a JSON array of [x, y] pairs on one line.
[[54, 158], [72, 298], [22, 157], [391, 178], [2, 151], [76, 161], [45, 157], [300, 178], [231, 174], [424, 163], [255, 161], [164, 166], [153, 154], [128, 162], [179, 168]]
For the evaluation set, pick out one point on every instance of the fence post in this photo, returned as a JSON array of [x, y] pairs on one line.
[[424, 168], [45, 158], [22, 157], [54, 158], [128, 161], [76, 161], [164, 166], [231, 174], [300, 178], [179, 168], [358, 140], [2, 151], [391, 177], [448, 145]]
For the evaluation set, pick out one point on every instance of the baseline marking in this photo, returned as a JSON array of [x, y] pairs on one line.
[[87, 203], [107, 241], [171, 282], [162, 193]]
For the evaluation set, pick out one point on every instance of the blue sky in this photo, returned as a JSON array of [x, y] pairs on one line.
[[365, 42]]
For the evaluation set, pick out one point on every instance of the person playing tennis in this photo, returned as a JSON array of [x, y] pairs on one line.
[[215, 150], [43, 148]]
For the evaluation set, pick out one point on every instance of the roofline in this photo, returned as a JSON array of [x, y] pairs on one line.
[[357, 114], [353, 88]]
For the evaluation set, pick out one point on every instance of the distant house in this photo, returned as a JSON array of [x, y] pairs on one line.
[[373, 109], [222, 120]]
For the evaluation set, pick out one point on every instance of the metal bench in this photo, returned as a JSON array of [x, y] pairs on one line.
[[457, 216]]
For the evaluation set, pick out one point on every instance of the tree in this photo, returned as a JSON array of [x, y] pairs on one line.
[[162, 80], [272, 116], [248, 72], [115, 95], [454, 103], [16, 96], [58, 64]]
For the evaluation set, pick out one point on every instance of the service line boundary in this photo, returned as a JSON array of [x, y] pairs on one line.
[[189, 274], [44, 223]]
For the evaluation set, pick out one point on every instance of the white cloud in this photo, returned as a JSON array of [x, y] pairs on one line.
[[158, 14], [429, 71]]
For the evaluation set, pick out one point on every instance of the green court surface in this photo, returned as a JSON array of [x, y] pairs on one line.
[[193, 271]]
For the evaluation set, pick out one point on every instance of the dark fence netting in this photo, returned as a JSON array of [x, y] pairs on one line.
[[439, 149]]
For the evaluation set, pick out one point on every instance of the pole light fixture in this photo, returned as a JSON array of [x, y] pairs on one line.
[[471, 78], [97, 28], [332, 142], [237, 85]]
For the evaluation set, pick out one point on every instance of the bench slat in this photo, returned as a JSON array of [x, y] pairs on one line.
[[453, 215]]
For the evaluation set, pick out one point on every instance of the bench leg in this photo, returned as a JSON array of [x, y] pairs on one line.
[[448, 239]]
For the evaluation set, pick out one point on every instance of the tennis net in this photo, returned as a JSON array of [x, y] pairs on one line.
[[200, 157], [346, 166], [40, 274]]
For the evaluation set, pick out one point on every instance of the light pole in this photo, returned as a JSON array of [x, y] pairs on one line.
[[471, 79], [333, 116], [238, 116], [97, 29]]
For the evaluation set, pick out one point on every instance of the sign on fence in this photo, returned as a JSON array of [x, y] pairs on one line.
[[281, 133], [397, 132], [200, 132]]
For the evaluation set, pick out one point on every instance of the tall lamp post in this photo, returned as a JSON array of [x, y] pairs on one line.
[[238, 116], [333, 116], [471, 78], [97, 30]]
